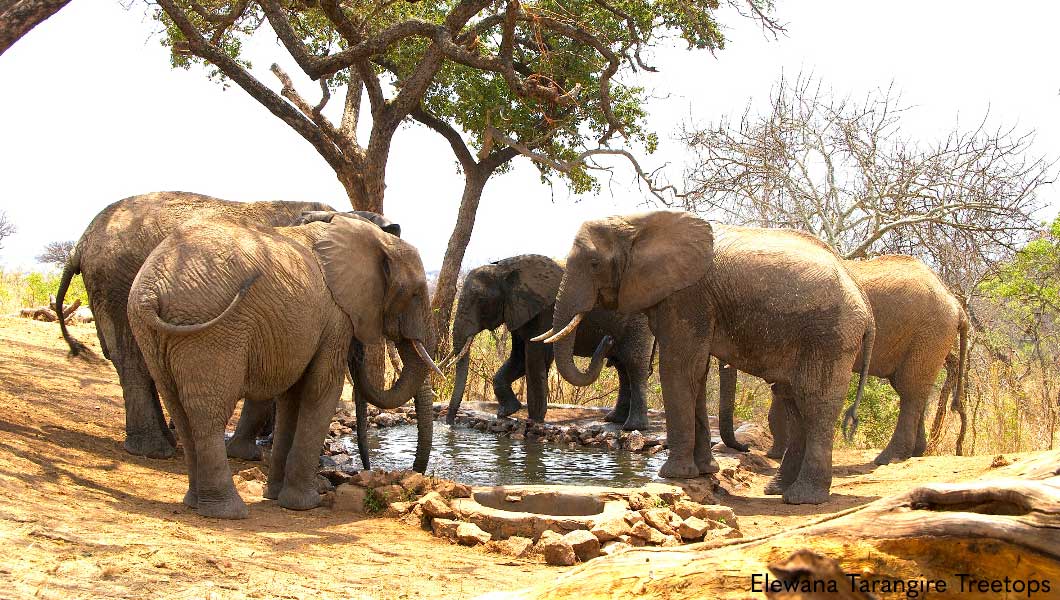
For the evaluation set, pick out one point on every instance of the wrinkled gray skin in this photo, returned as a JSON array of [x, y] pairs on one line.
[[283, 308], [109, 254], [769, 302], [254, 418], [519, 293], [917, 322]]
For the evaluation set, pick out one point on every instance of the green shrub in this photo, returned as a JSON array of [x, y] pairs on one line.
[[877, 415], [20, 289]]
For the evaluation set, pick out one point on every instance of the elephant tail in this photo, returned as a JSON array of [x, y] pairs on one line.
[[72, 268], [150, 308], [850, 419]]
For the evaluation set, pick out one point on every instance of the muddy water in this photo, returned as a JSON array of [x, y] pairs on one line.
[[481, 458]]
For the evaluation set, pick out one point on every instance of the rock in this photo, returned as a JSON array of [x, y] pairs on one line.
[[341, 459], [518, 436], [662, 519], [498, 426], [556, 550], [687, 508], [253, 474], [469, 534], [633, 518], [635, 442], [670, 541], [336, 477], [655, 450], [613, 547], [753, 434], [323, 485], [390, 493], [414, 483], [586, 546], [452, 489], [371, 479], [401, 508], [721, 514], [516, 546], [416, 517], [250, 488], [445, 528], [701, 490], [610, 530], [641, 530], [435, 506], [638, 501], [350, 498], [693, 528]]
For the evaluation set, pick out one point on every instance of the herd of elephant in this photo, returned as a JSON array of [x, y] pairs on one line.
[[202, 302]]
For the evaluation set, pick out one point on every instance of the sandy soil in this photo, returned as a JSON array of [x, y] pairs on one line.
[[80, 518]]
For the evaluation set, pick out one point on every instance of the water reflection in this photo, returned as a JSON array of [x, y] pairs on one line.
[[481, 458]]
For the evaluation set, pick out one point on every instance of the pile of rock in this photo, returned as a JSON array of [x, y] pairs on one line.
[[591, 434], [396, 492]]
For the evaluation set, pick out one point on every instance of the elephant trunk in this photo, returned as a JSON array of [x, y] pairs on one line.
[[564, 352], [408, 383], [458, 388], [727, 377], [360, 402], [424, 426]]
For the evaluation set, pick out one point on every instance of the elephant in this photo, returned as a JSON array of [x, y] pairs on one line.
[[285, 313], [109, 254], [917, 322], [256, 418], [519, 292], [768, 301]]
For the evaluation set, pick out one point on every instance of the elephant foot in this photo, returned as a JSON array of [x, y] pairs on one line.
[[635, 423], [776, 453], [676, 468], [243, 449], [804, 493], [293, 499], [151, 445], [191, 499], [507, 409], [706, 468], [775, 487], [272, 490], [616, 416], [230, 508], [890, 455]]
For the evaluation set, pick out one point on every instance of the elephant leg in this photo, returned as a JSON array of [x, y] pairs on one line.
[[778, 426], [510, 371], [913, 392], [683, 363], [146, 431], [318, 397], [252, 419], [818, 407], [795, 441], [207, 413], [282, 438], [183, 425], [538, 358], [637, 374], [702, 454], [620, 412]]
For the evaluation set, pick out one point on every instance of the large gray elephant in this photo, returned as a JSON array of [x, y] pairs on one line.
[[917, 322], [109, 254], [255, 418], [771, 302], [519, 292], [285, 313]]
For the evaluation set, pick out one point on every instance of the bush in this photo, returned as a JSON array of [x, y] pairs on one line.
[[26, 289], [877, 415]]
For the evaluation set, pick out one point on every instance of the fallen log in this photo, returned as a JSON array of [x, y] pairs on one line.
[[48, 313], [977, 539]]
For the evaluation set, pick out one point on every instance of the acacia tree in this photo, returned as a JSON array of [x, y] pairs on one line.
[[496, 78], [18, 17], [7, 228], [846, 171], [57, 253]]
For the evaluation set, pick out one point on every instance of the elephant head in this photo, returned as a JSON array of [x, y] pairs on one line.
[[378, 281], [510, 292], [312, 216], [629, 264]]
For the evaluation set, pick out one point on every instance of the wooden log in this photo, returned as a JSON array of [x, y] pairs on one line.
[[966, 535]]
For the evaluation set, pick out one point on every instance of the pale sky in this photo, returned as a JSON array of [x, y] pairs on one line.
[[90, 113]]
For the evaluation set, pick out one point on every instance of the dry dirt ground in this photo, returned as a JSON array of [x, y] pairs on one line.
[[80, 518]]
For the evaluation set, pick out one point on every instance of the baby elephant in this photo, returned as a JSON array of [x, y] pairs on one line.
[[226, 310]]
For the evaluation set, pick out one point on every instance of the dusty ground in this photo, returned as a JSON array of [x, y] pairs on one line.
[[80, 518]]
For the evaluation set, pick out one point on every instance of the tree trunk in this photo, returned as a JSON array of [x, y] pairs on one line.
[[445, 290], [18, 17], [991, 530]]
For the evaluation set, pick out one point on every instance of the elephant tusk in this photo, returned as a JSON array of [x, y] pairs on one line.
[[542, 336], [426, 357], [566, 330], [463, 351]]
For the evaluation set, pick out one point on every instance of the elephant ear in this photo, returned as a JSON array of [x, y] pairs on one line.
[[353, 256], [532, 283], [669, 251]]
